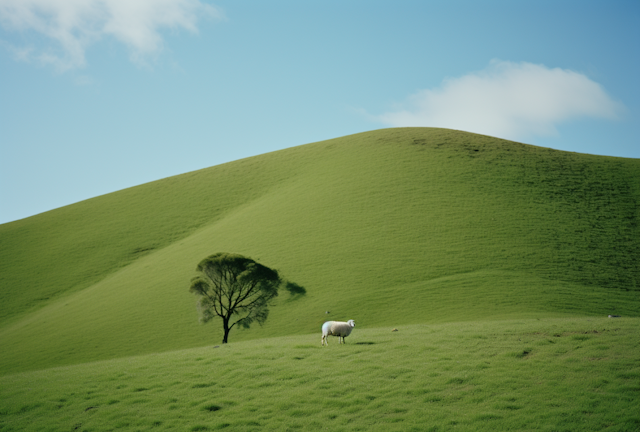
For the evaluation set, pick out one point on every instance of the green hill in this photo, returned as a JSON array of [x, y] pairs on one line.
[[390, 227]]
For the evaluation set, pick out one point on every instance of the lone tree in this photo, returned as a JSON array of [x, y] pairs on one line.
[[231, 285]]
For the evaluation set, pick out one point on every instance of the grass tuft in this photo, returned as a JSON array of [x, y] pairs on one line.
[[212, 407]]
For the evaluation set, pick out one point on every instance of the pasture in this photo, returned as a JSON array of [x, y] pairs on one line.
[[432, 225], [527, 375], [498, 263]]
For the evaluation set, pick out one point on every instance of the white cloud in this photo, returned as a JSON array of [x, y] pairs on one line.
[[507, 100], [73, 25]]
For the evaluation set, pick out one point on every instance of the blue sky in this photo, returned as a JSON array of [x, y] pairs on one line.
[[101, 95]]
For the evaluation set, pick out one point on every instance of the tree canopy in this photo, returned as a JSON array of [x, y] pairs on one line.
[[236, 289]]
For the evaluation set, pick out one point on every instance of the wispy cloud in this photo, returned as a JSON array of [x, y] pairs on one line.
[[71, 26], [507, 100]]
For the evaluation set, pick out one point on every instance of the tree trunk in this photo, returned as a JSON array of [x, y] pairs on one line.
[[225, 324]]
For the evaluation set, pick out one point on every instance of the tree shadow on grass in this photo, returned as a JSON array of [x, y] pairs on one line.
[[295, 291]]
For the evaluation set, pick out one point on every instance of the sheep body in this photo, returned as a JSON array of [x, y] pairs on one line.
[[340, 329]]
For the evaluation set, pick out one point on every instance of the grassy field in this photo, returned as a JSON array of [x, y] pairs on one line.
[[497, 262], [390, 227], [571, 374]]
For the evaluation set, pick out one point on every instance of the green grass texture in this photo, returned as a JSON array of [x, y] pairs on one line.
[[392, 227], [553, 374]]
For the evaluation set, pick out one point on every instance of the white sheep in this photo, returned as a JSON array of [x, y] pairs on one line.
[[336, 328]]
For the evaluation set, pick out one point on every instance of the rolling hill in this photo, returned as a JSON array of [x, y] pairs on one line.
[[389, 227]]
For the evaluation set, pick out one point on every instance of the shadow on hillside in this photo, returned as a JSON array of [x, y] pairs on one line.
[[295, 291], [365, 343]]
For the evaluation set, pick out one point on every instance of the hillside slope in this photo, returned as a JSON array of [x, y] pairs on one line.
[[393, 226]]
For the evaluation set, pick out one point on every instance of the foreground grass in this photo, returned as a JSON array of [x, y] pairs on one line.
[[553, 374]]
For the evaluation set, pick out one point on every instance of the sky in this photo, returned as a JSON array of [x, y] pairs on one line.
[[102, 95]]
